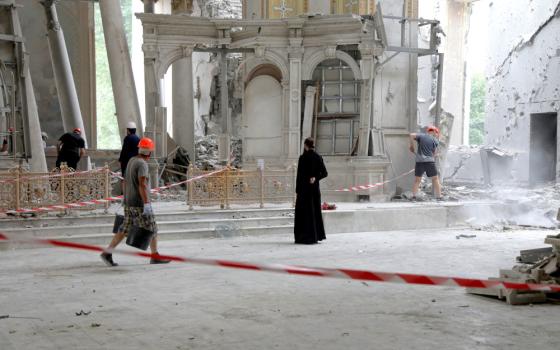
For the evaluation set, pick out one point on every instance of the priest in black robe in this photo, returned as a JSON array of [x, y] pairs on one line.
[[308, 225]]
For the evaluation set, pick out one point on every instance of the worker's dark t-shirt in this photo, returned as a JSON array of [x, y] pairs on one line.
[[129, 150], [427, 145], [71, 143]]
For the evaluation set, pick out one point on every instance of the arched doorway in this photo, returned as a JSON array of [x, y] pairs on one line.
[[338, 118], [262, 119]]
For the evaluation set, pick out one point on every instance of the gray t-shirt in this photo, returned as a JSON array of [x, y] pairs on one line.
[[427, 145], [136, 168]]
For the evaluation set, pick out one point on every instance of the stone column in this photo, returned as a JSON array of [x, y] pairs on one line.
[[183, 96], [152, 92], [371, 130], [285, 117], [68, 98], [153, 100], [38, 162], [120, 67], [295, 55], [308, 114], [224, 145]]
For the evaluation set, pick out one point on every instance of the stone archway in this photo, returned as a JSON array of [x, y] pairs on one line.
[[262, 123]]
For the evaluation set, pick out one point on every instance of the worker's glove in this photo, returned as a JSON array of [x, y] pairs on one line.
[[148, 211]]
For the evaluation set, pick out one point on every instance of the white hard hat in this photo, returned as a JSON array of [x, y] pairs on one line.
[[131, 125]]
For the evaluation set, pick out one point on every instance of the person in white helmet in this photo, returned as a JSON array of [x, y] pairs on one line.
[[129, 147]]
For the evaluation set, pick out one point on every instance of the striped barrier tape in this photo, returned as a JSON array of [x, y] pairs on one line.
[[104, 200], [370, 186], [341, 273]]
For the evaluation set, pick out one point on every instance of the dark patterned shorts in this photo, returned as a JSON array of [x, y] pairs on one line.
[[133, 216]]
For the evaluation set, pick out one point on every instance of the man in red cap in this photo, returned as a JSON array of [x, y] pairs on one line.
[[71, 147], [137, 207], [425, 154]]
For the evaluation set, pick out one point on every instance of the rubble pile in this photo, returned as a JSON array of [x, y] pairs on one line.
[[540, 266], [522, 207], [207, 156]]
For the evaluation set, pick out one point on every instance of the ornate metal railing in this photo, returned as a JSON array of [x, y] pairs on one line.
[[20, 189], [241, 186]]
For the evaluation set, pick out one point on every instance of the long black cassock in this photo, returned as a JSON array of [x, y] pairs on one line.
[[308, 225]]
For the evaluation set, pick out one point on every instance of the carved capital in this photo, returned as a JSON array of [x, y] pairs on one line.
[[150, 51], [295, 52], [187, 51]]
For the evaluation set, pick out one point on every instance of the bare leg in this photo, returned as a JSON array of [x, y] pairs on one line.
[[117, 238], [153, 245], [417, 181], [437, 186]]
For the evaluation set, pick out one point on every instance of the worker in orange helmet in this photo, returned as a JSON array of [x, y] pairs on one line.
[[137, 207], [425, 154]]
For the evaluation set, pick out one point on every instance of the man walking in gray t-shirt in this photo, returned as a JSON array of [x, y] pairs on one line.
[[137, 207], [425, 159]]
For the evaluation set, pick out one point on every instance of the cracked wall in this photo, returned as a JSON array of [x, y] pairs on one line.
[[523, 73]]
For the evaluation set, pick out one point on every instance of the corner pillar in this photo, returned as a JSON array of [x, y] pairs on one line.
[[295, 57]]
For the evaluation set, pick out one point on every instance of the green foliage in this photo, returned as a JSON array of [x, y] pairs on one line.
[[478, 102], [107, 129]]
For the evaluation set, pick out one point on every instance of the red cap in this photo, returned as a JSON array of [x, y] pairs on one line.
[[78, 130], [433, 128]]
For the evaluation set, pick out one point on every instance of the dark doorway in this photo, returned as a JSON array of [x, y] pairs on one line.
[[542, 156]]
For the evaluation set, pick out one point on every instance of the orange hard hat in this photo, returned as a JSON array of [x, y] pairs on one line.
[[146, 143], [78, 130], [433, 128]]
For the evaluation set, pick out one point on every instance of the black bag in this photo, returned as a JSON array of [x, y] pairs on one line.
[[139, 237], [119, 219]]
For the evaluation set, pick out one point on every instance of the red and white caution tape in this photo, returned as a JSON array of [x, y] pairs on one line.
[[370, 186], [342, 273], [105, 200]]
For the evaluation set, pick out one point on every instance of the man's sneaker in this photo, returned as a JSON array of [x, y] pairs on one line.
[[159, 261], [413, 199], [440, 199], [108, 259]]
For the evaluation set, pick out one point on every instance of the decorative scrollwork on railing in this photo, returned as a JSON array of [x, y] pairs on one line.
[[241, 186], [23, 189]]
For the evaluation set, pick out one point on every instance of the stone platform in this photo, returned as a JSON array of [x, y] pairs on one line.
[[175, 221]]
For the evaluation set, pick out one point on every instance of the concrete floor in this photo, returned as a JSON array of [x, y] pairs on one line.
[[179, 306]]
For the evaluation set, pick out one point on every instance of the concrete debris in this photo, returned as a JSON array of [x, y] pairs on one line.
[[465, 236], [543, 269], [207, 156], [83, 313], [514, 207]]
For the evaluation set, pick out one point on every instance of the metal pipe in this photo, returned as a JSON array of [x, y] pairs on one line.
[[439, 90]]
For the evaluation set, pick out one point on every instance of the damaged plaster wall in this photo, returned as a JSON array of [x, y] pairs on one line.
[[523, 73]]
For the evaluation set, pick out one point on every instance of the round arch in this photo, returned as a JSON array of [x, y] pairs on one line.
[[269, 58], [315, 59]]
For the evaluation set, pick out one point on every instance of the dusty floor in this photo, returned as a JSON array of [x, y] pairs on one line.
[[178, 306]]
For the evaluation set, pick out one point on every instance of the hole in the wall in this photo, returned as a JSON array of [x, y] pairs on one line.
[[543, 148]]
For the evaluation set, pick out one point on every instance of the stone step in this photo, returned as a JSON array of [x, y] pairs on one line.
[[185, 215], [104, 238], [163, 225]]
